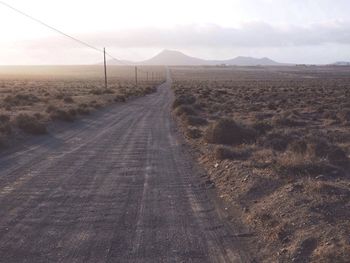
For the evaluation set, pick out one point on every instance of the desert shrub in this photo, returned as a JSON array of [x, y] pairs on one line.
[[294, 164], [68, 99], [83, 105], [149, 90], [185, 109], [194, 120], [59, 96], [95, 104], [227, 131], [21, 100], [51, 108], [276, 141], [63, 115], [4, 118], [5, 126], [96, 91], [298, 146], [287, 120], [318, 148], [108, 91], [193, 133], [315, 157], [338, 157], [344, 115], [30, 124], [262, 127], [119, 98], [182, 99], [198, 106], [329, 115], [272, 106], [223, 152], [83, 110], [2, 142]]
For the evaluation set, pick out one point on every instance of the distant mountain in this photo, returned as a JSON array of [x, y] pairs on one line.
[[176, 58], [171, 58], [342, 63], [249, 61]]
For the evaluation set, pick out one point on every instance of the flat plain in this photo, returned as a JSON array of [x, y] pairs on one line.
[[32, 97], [217, 164], [275, 142]]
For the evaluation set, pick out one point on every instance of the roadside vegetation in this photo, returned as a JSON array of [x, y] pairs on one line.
[[32, 97], [276, 145]]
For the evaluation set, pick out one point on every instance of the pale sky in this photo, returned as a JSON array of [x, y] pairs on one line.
[[296, 31]]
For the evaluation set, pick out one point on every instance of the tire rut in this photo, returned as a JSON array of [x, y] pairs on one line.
[[122, 190]]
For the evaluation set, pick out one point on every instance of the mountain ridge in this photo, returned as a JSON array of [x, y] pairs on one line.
[[177, 58]]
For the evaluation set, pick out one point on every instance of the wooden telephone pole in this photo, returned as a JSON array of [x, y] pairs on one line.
[[136, 75], [105, 66]]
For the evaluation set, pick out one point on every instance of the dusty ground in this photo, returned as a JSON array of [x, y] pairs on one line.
[[32, 97], [275, 143], [116, 186]]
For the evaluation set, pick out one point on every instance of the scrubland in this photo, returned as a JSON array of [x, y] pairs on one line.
[[32, 97], [276, 143]]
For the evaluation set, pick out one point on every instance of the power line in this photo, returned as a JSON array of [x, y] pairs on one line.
[[51, 27], [67, 35], [60, 32]]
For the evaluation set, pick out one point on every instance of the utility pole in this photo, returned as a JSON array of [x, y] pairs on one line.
[[136, 75], [152, 77], [105, 66], [147, 76]]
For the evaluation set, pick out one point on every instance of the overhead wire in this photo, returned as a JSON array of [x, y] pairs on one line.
[[66, 35]]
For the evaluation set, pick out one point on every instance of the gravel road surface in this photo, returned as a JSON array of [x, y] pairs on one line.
[[118, 186]]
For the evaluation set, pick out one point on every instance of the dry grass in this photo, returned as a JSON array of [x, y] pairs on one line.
[[277, 143]]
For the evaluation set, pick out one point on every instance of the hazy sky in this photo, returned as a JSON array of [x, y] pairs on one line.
[[301, 31]]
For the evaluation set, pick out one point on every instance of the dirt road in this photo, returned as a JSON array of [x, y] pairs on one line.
[[117, 187]]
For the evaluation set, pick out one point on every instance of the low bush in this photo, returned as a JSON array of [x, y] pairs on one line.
[[68, 99], [344, 115], [286, 120], [83, 110], [182, 99], [185, 109], [149, 90], [119, 98], [51, 108], [227, 131], [194, 120], [223, 152], [64, 115], [276, 141], [5, 126], [193, 133], [4, 118], [338, 157], [262, 127], [30, 124], [318, 148], [21, 100], [298, 146]]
